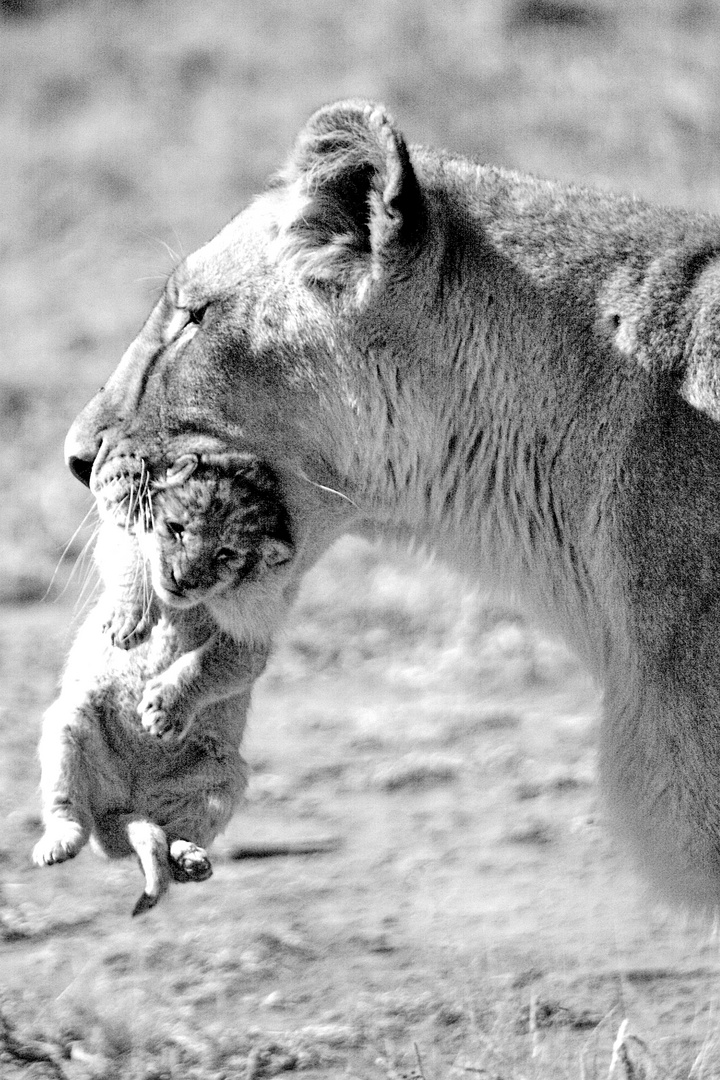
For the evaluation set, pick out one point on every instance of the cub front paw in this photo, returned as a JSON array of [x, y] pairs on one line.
[[188, 862], [128, 629], [160, 711], [60, 842]]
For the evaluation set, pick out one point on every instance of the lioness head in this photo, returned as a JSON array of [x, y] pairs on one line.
[[262, 338]]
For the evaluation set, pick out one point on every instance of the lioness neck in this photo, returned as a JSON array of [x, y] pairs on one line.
[[463, 440]]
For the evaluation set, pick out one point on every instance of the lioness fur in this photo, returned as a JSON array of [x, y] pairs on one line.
[[151, 660], [522, 374]]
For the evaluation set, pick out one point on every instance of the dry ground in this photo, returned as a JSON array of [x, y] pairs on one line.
[[475, 919]]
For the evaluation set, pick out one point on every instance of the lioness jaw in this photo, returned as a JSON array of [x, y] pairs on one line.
[[522, 373]]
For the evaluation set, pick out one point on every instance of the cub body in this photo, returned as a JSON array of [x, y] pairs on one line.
[[152, 660]]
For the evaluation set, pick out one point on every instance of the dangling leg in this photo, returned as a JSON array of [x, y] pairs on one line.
[[189, 862], [124, 834], [64, 786]]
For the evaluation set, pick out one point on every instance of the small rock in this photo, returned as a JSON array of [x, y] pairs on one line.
[[275, 1000], [530, 831]]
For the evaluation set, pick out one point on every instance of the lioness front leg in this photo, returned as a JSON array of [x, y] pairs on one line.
[[216, 670]]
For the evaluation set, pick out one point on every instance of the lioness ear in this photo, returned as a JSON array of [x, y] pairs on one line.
[[360, 206]]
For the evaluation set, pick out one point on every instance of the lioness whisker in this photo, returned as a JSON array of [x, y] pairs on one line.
[[324, 487], [174, 255], [64, 552], [90, 584], [146, 514]]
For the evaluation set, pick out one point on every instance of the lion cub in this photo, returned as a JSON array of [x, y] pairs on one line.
[[210, 541], [173, 657]]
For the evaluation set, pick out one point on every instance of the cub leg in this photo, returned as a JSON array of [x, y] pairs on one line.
[[216, 670], [130, 622], [149, 842], [133, 608], [64, 786], [134, 612], [189, 862]]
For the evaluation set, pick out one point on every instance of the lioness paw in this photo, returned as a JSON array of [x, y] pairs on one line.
[[61, 841], [188, 862]]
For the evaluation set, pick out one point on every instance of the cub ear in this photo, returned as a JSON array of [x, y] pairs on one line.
[[275, 552], [178, 472], [360, 201]]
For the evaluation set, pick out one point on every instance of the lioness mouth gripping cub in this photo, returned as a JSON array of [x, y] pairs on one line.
[[141, 749]]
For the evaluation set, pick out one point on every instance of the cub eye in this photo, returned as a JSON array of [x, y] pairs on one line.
[[225, 555], [196, 315]]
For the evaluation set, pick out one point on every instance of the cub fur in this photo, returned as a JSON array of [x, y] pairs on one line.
[[206, 534], [522, 374]]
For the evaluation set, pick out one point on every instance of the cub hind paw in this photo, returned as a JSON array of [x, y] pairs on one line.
[[188, 862], [58, 844]]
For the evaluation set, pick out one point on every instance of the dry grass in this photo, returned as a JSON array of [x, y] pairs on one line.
[[475, 921]]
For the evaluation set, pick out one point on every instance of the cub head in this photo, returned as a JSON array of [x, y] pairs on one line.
[[209, 531]]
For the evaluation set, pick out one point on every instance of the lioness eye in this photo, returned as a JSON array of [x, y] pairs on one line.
[[196, 315], [174, 529]]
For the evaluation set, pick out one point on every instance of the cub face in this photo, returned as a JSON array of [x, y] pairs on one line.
[[213, 536]]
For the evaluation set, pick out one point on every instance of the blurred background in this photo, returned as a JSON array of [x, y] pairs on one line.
[[475, 914]]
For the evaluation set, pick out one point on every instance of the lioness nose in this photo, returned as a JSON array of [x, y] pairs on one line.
[[79, 456], [80, 468], [85, 437]]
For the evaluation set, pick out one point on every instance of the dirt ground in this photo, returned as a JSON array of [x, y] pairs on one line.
[[470, 918]]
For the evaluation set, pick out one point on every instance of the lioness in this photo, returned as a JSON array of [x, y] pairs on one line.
[[163, 649], [523, 374]]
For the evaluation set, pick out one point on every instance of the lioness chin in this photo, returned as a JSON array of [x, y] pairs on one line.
[[524, 375]]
